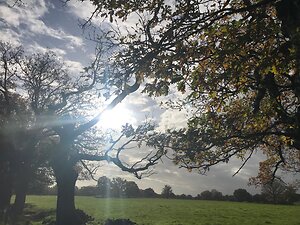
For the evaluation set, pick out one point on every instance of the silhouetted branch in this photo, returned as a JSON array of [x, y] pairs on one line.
[[118, 99], [244, 163]]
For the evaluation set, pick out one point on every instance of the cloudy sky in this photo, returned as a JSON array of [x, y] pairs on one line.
[[41, 25]]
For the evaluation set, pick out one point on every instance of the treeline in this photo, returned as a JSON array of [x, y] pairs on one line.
[[288, 196], [116, 188], [276, 192]]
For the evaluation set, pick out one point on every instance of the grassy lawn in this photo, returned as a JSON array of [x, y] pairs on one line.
[[180, 212]]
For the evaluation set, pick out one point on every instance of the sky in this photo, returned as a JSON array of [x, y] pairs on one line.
[[42, 25]]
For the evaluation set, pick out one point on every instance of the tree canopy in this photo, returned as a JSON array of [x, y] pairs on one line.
[[237, 62]]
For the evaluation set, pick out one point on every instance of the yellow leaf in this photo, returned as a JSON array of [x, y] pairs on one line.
[[274, 70]]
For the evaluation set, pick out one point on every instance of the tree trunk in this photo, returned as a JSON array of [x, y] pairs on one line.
[[6, 175], [65, 210], [5, 194], [21, 191], [23, 176]]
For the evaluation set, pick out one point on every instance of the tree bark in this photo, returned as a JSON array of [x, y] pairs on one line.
[[24, 174], [5, 194], [6, 174], [21, 191], [65, 209]]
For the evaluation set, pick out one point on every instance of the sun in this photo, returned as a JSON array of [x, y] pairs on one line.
[[116, 117]]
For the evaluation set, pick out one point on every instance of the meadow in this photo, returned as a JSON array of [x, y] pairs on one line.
[[178, 212]]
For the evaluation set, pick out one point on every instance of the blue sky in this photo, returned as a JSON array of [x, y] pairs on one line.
[[41, 25]]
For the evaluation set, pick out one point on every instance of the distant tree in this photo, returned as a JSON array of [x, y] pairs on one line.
[[206, 195], [258, 198], [198, 197], [104, 186], [149, 193], [274, 191], [290, 195], [190, 197], [118, 187], [216, 195], [229, 198], [88, 191], [242, 195], [167, 192], [131, 189], [182, 196]]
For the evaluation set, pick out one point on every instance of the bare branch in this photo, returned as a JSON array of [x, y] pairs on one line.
[[244, 163]]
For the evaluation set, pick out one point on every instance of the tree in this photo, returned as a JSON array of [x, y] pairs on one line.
[[59, 124], [132, 190], [216, 195], [88, 191], [242, 195], [40, 182], [149, 193], [206, 195], [167, 192], [290, 194], [258, 198], [118, 187], [242, 88], [104, 186], [42, 79], [274, 191], [10, 105]]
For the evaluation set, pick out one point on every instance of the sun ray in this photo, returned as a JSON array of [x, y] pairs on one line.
[[116, 117]]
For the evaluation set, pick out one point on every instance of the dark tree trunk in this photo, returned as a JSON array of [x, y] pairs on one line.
[[6, 174], [21, 191], [63, 165], [23, 176], [65, 212], [5, 193]]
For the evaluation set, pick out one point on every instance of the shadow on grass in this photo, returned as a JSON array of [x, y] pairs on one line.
[[30, 215], [34, 215], [119, 222]]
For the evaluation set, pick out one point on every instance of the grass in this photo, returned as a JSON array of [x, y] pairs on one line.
[[179, 212]]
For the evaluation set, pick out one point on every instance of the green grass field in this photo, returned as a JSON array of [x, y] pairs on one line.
[[179, 212]]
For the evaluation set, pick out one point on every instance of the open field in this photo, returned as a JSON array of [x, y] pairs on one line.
[[180, 212]]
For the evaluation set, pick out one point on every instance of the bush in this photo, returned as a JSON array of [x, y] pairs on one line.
[[83, 218]]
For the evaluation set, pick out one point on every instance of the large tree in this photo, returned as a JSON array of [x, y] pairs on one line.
[[238, 63], [12, 114], [60, 128]]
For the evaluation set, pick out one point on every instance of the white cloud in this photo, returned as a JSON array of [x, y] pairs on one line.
[[171, 119], [7, 35], [35, 47], [9, 15], [75, 41], [74, 67], [21, 13], [29, 16], [75, 7], [137, 99]]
